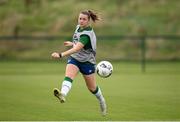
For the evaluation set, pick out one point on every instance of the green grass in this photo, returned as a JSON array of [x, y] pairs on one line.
[[26, 92]]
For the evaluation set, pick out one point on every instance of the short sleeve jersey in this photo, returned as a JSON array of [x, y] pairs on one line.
[[84, 39], [87, 37]]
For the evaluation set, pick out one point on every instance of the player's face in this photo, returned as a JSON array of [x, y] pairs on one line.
[[83, 20]]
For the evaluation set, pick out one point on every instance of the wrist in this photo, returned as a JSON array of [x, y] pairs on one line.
[[60, 55]]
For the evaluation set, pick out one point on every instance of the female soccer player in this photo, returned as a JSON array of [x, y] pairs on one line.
[[81, 58]]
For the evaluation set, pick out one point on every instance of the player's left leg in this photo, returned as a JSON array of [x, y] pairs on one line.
[[91, 85]]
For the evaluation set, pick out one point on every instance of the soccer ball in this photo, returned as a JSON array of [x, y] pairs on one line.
[[104, 69]]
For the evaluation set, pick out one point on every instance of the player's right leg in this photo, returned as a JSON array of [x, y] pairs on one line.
[[71, 72], [59, 95]]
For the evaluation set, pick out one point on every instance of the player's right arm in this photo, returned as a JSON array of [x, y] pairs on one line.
[[68, 43]]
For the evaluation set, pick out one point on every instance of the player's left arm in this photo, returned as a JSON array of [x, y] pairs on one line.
[[77, 47], [74, 49]]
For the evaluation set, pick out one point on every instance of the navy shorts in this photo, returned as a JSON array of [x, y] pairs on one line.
[[85, 68]]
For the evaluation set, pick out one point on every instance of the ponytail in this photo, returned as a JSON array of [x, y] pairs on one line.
[[91, 15]]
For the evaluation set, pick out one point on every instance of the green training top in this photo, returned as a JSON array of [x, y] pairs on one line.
[[84, 39], [87, 37]]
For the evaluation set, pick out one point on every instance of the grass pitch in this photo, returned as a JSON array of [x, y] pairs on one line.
[[26, 93]]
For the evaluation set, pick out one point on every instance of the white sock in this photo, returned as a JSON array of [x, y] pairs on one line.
[[99, 95], [66, 87]]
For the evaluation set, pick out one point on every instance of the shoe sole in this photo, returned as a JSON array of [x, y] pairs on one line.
[[59, 95]]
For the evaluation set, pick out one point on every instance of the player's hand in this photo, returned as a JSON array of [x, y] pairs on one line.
[[55, 55], [68, 43]]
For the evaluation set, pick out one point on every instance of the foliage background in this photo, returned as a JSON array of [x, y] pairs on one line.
[[118, 18]]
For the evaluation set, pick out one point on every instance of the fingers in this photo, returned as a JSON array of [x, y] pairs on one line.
[[68, 43], [55, 55]]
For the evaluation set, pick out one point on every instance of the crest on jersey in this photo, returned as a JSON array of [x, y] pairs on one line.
[[75, 37]]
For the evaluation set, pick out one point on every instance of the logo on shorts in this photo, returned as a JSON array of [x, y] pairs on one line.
[[69, 60], [90, 71]]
